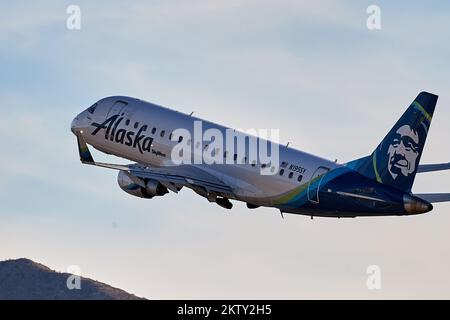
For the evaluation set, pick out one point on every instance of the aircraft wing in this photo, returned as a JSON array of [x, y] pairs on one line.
[[434, 197], [183, 175], [173, 178], [433, 167]]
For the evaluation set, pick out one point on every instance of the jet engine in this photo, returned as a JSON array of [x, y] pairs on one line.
[[138, 187]]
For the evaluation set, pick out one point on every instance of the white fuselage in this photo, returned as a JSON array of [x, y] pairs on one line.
[[245, 179]]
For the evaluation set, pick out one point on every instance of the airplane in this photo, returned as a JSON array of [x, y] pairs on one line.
[[375, 185]]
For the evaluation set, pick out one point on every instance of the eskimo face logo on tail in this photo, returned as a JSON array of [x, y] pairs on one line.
[[403, 152], [123, 136]]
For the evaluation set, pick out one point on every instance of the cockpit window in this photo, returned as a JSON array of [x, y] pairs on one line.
[[92, 108]]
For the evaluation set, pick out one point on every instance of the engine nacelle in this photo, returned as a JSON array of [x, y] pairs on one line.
[[152, 188]]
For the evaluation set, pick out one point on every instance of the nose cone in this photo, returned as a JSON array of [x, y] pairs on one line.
[[74, 126], [79, 123], [415, 205]]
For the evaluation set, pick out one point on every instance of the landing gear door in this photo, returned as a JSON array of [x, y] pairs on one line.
[[318, 175]]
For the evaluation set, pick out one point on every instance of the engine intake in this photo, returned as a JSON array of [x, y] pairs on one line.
[[139, 187]]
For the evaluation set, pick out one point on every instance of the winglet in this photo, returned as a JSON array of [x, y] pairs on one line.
[[86, 157], [83, 150]]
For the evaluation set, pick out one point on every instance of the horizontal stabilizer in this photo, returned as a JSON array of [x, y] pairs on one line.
[[433, 167], [434, 197]]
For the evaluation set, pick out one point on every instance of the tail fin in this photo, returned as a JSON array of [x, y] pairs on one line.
[[396, 159]]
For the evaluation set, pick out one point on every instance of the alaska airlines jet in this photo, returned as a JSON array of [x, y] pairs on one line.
[[376, 185]]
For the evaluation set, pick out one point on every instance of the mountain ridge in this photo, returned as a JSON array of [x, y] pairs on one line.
[[24, 279]]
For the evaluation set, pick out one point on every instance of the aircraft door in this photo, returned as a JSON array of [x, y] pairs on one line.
[[318, 175]]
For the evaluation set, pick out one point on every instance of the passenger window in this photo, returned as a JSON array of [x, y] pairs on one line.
[[281, 172], [127, 122], [291, 174], [300, 177], [170, 136], [235, 157], [180, 139], [153, 130], [136, 124], [253, 163], [162, 133]]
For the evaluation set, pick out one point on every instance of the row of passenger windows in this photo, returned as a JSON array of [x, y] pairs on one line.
[[217, 150], [291, 175], [161, 134]]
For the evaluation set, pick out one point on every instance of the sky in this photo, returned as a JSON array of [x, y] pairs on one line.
[[311, 69]]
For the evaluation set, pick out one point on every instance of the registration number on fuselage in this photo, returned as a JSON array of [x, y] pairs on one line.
[[296, 168]]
